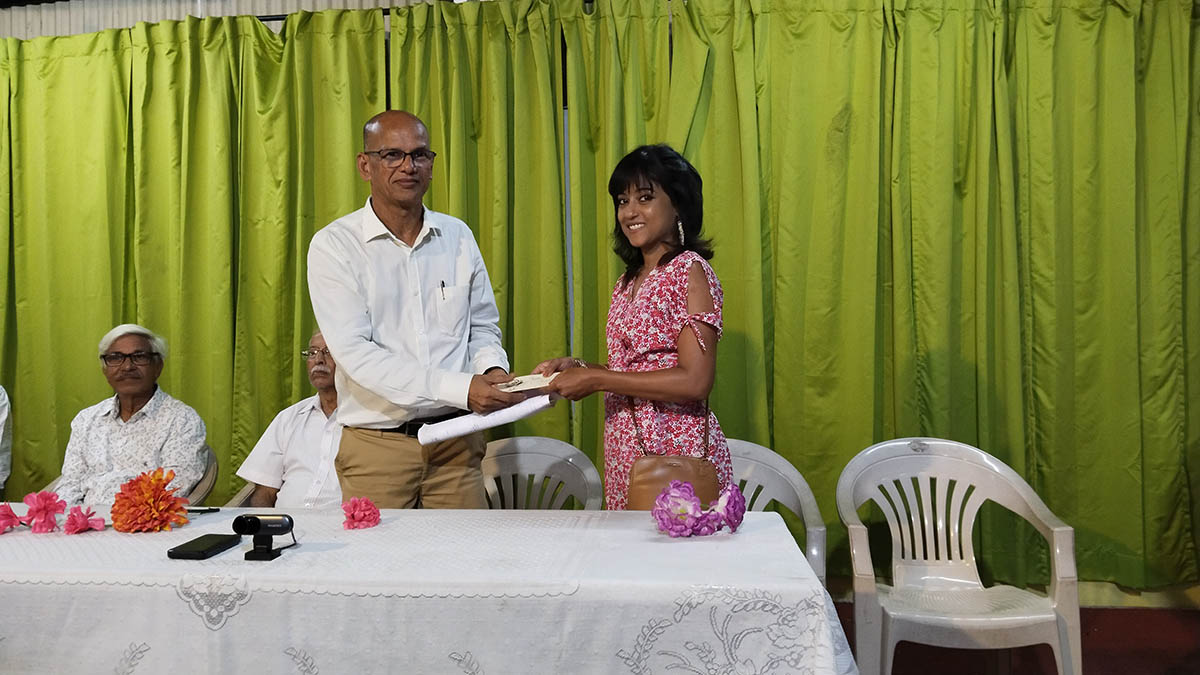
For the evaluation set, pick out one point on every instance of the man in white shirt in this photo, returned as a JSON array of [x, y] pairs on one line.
[[292, 464], [5, 439], [405, 303], [139, 429]]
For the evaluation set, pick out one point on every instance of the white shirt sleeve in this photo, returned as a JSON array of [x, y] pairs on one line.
[[183, 452], [264, 464], [74, 468], [485, 345]]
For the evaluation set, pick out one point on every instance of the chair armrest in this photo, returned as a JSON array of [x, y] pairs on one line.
[[1062, 560], [860, 558]]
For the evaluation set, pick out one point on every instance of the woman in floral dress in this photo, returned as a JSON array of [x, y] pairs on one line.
[[663, 325]]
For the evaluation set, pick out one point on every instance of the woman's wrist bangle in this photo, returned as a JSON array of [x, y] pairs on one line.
[[580, 363]]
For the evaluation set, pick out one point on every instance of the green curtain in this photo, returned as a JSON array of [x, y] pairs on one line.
[[71, 199], [484, 78], [968, 220], [616, 64], [304, 96]]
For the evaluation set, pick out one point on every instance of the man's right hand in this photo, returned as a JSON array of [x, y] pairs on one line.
[[483, 397]]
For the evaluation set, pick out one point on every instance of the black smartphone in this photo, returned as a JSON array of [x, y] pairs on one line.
[[204, 546]]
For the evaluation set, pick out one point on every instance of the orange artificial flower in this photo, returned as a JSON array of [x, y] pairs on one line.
[[144, 504]]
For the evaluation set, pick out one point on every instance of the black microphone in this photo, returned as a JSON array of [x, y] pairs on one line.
[[261, 524]]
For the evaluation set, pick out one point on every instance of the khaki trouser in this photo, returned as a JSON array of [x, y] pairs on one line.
[[397, 472]]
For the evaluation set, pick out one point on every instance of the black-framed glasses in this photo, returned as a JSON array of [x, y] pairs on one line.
[[393, 158], [312, 354], [115, 359]]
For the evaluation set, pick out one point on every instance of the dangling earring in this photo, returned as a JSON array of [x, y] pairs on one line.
[[679, 224]]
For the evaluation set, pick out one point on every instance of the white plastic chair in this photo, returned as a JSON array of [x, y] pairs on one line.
[[242, 498], [764, 476], [533, 472], [930, 491]]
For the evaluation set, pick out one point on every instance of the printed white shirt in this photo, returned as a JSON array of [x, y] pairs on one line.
[[104, 452], [407, 325], [5, 437], [295, 455]]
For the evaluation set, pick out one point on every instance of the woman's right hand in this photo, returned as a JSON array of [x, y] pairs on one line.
[[551, 366]]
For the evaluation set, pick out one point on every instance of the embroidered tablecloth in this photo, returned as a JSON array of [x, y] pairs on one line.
[[424, 592]]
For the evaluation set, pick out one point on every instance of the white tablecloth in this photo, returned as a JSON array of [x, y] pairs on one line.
[[424, 592]]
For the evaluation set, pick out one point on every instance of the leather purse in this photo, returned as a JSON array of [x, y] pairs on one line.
[[651, 474]]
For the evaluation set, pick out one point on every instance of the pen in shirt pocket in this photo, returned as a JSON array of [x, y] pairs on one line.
[[443, 290]]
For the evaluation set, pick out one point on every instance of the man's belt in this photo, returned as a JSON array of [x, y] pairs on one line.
[[411, 427]]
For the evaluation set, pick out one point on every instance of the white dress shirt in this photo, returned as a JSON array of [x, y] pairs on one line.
[[295, 455], [5, 437], [408, 326], [105, 451]]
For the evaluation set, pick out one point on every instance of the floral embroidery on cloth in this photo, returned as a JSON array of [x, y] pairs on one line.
[[642, 333]]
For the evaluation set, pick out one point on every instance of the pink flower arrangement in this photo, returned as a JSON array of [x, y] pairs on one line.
[[679, 513], [361, 513], [79, 521], [43, 507], [8, 518]]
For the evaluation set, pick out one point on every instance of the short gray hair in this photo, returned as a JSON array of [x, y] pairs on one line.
[[157, 343]]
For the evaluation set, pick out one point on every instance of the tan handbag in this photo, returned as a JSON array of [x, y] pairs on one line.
[[651, 474]]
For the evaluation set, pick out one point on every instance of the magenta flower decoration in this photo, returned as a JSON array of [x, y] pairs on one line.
[[731, 504], [43, 507], [677, 509], [79, 521], [708, 523], [361, 513], [8, 518]]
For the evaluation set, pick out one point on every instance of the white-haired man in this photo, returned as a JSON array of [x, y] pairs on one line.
[[292, 464], [139, 429]]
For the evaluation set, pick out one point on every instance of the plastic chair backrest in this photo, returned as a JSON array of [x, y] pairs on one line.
[[765, 476], [205, 485], [533, 472], [930, 492], [242, 498]]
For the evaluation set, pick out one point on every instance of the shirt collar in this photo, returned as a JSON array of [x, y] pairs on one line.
[[371, 227], [153, 404]]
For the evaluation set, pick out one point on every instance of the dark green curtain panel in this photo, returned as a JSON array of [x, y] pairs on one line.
[[974, 220]]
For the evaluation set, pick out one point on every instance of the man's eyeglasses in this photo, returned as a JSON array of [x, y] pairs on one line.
[[114, 359], [312, 354], [393, 158]]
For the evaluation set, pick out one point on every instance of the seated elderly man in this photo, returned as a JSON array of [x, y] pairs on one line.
[[139, 429], [292, 464]]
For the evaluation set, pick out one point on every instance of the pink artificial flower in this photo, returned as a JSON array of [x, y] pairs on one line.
[[709, 522], [361, 513], [677, 509], [43, 506], [8, 518], [79, 521], [731, 504]]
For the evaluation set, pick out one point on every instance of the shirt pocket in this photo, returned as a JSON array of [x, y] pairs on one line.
[[453, 308]]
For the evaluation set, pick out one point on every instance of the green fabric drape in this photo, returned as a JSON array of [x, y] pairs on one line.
[[616, 64], [71, 198], [484, 78], [969, 220], [304, 97]]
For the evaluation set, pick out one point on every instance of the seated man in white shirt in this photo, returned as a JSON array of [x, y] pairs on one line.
[[139, 429], [292, 464]]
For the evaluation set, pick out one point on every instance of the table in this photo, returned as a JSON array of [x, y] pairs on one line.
[[424, 592]]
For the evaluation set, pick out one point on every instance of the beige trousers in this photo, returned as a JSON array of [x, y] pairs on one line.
[[397, 472]]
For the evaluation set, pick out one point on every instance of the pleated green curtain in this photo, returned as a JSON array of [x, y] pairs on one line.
[[617, 68], [484, 76], [975, 220], [68, 139]]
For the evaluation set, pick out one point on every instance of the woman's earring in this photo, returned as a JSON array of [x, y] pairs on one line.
[[679, 224]]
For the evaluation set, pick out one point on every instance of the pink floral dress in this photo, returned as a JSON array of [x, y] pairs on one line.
[[642, 334]]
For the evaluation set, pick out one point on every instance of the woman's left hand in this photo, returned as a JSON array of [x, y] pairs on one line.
[[574, 383]]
